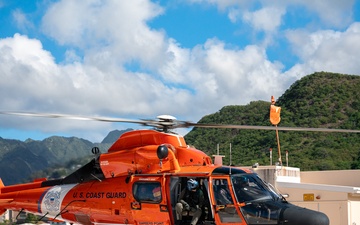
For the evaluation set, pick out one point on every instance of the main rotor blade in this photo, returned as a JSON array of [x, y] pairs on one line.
[[249, 127], [75, 117], [175, 123]]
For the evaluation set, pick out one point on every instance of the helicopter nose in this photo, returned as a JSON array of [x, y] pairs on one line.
[[299, 216]]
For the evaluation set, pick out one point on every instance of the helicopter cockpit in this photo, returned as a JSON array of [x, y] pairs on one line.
[[236, 197], [245, 196]]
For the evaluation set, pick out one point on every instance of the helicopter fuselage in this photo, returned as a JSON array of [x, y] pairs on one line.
[[139, 181]]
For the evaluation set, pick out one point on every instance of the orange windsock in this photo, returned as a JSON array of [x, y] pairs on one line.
[[274, 112]]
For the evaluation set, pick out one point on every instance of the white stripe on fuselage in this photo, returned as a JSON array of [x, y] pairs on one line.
[[52, 201]]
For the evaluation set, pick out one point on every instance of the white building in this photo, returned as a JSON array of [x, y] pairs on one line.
[[5, 217], [335, 193]]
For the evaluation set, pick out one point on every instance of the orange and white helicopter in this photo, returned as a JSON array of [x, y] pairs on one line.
[[108, 190]]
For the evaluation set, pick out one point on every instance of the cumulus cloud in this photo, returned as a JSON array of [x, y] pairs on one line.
[[265, 19], [116, 27], [338, 14], [333, 12], [233, 75], [115, 64], [328, 50]]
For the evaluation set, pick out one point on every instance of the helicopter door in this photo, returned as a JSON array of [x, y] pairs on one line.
[[223, 203], [149, 203]]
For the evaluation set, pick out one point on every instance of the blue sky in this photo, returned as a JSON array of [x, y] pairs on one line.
[[139, 59]]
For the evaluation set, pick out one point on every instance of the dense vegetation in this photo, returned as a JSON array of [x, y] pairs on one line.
[[317, 100]]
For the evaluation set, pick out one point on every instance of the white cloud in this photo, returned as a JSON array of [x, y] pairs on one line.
[[21, 20], [266, 15], [223, 76], [338, 14], [104, 40], [25, 69], [328, 50], [33, 82], [265, 19], [118, 27]]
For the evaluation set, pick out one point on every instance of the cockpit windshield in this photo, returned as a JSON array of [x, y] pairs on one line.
[[250, 188], [260, 201]]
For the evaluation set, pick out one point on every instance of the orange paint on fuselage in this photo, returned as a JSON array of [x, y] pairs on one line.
[[140, 181], [108, 200], [136, 152]]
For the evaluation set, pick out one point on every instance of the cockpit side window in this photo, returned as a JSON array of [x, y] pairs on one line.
[[222, 192], [224, 205], [148, 192]]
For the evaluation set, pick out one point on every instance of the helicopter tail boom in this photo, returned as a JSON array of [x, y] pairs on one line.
[[19, 187]]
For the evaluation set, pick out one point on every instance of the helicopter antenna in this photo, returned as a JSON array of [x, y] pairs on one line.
[[230, 160], [287, 158], [43, 216], [63, 210]]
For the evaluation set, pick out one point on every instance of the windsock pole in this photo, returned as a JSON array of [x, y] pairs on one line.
[[278, 145], [275, 120]]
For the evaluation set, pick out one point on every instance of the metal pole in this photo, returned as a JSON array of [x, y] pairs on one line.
[[278, 144]]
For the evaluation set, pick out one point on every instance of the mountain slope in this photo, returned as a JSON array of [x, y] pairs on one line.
[[317, 100], [21, 160], [113, 136], [324, 100]]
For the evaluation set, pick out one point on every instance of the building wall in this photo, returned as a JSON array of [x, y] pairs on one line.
[[333, 177], [5, 216], [334, 193], [354, 215]]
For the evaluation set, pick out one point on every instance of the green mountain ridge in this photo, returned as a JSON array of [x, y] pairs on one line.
[[20, 160], [322, 99], [318, 100]]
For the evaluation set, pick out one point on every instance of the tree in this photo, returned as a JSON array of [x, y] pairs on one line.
[[31, 218]]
